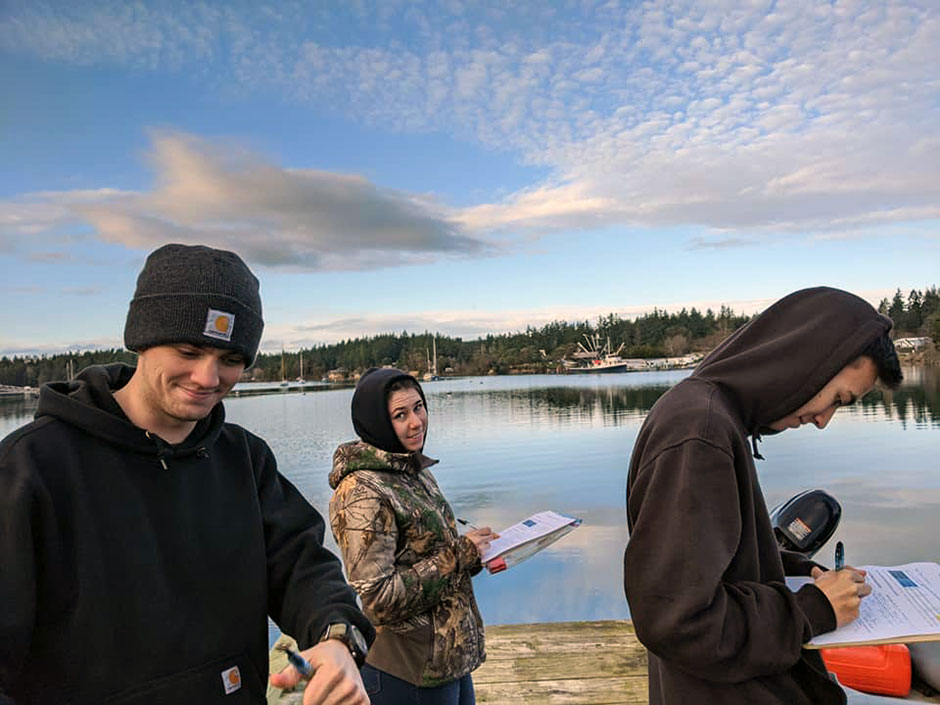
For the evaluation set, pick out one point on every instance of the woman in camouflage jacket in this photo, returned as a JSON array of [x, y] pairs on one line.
[[402, 551]]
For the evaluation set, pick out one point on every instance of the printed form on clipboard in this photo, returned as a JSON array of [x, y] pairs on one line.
[[904, 606], [526, 538]]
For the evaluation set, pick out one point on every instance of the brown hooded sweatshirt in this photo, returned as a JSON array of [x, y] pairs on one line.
[[702, 571]]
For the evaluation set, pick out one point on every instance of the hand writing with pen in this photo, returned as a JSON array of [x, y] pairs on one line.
[[844, 587], [481, 538]]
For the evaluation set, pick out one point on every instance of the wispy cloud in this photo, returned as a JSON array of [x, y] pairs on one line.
[[756, 116], [722, 243], [9, 348], [222, 195], [82, 290], [49, 257]]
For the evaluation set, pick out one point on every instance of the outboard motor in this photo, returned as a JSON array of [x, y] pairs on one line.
[[806, 521]]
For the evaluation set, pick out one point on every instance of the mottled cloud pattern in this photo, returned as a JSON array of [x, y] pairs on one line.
[[746, 118]]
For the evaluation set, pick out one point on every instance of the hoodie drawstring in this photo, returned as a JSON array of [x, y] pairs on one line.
[[163, 448], [755, 437]]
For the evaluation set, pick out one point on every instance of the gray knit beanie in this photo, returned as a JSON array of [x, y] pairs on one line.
[[198, 295]]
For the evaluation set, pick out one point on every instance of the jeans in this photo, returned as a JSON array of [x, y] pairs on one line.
[[384, 689]]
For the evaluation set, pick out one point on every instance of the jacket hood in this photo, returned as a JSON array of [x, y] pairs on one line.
[[781, 359], [87, 403], [357, 455], [370, 408]]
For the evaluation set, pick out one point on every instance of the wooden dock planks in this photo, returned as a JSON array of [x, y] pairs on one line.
[[562, 663], [552, 663], [555, 663]]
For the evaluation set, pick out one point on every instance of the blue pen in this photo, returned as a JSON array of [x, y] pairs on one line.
[[840, 555], [302, 665]]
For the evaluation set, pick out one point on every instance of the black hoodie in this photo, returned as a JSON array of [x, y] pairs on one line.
[[702, 571], [135, 571]]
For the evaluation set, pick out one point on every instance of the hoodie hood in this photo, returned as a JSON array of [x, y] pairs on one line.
[[370, 408], [87, 403], [357, 455], [781, 359]]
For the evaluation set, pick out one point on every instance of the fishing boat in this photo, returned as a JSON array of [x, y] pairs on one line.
[[594, 357]]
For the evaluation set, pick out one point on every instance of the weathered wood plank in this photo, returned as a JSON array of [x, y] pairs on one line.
[[561, 666], [560, 637], [606, 626], [573, 691], [594, 664], [562, 663]]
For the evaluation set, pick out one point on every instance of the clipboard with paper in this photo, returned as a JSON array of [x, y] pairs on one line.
[[903, 607], [526, 538]]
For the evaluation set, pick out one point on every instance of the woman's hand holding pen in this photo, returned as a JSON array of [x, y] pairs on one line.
[[482, 538], [844, 589]]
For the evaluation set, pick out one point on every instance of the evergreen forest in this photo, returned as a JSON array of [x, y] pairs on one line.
[[535, 350]]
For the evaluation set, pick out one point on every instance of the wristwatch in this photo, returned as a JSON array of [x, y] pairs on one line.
[[350, 635]]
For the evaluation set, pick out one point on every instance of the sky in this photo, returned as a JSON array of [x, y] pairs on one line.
[[463, 167]]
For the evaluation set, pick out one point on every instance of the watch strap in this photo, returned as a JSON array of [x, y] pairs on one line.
[[353, 639]]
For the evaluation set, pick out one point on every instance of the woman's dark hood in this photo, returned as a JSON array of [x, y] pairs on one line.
[[370, 408], [782, 358]]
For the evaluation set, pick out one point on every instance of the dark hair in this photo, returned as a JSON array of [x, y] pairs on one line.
[[881, 351], [400, 384], [370, 406]]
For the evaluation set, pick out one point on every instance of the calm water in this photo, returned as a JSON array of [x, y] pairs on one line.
[[512, 446]]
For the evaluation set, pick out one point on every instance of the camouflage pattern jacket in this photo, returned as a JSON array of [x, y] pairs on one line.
[[404, 557]]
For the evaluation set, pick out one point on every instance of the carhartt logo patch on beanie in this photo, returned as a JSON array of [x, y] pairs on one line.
[[219, 324], [198, 295]]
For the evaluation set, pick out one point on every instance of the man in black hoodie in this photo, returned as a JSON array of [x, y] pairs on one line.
[[144, 541], [702, 571]]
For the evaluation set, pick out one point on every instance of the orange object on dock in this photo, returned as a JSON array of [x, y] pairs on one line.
[[884, 669]]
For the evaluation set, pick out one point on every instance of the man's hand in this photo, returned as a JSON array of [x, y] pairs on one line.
[[481, 538], [336, 680], [844, 589]]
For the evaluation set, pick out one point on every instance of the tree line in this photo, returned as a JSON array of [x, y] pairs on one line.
[[654, 334], [918, 314]]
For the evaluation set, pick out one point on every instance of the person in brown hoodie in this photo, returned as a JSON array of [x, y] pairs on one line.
[[703, 574]]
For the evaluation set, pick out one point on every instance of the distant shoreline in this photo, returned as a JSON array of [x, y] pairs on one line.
[[929, 357]]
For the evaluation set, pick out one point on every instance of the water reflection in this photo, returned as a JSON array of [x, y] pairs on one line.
[[15, 411], [606, 399], [512, 446], [916, 402], [608, 406]]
